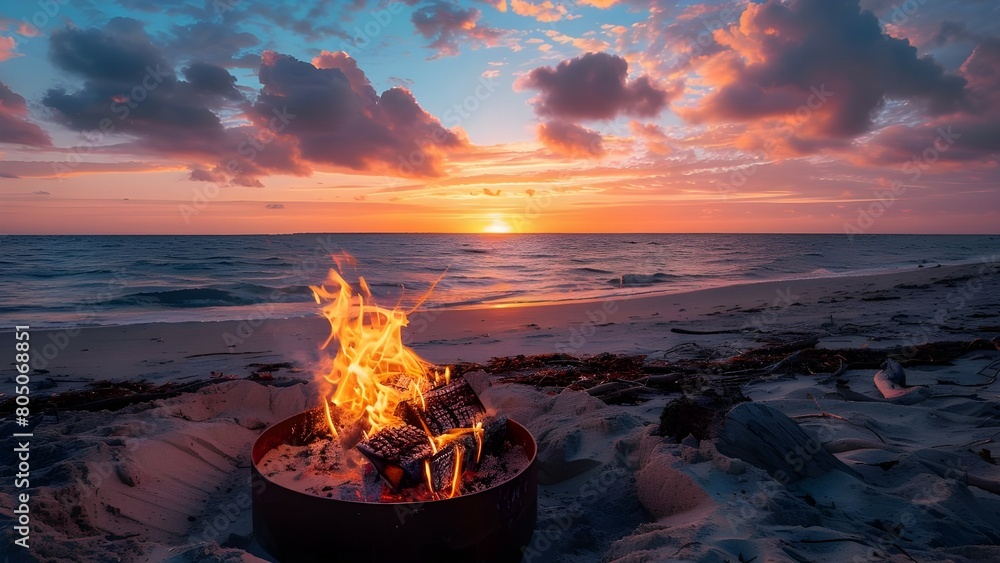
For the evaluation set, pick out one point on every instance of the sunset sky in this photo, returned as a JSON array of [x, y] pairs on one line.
[[253, 116]]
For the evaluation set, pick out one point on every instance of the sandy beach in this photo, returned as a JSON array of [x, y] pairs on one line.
[[168, 479]]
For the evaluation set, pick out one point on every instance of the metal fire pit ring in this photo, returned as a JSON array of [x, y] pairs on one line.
[[493, 525]]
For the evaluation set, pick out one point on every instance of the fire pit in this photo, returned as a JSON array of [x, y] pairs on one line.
[[400, 462], [489, 525]]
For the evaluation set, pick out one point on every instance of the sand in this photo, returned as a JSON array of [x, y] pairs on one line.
[[168, 480]]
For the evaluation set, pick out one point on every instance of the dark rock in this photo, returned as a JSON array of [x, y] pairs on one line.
[[764, 437], [697, 415]]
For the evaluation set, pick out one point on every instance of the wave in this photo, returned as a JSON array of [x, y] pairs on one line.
[[46, 275], [641, 279], [591, 271], [227, 296]]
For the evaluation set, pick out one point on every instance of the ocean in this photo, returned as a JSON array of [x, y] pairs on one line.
[[66, 281]]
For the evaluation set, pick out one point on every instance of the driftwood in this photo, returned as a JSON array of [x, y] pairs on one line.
[[764, 437], [891, 382], [702, 332]]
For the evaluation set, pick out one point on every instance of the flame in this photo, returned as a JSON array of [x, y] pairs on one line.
[[456, 478], [372, 372]]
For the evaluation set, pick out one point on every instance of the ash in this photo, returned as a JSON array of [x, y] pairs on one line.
[[325, 469]]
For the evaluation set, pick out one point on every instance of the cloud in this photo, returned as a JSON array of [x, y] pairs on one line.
[[447, 26], [593, 86], [500, 5], [130, 87], [778, 56], [41, 192], [14, 126], [585, 44], [8, 48], [340, 120], [8, 175], [655, 139], [971, 136], [275, 206], [211, 42], [570, 139], [545, 11], [304, 117]]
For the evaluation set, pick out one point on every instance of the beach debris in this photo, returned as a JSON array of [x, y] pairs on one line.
[[764, 437], [698, 415], [891, 382], [702, 332]]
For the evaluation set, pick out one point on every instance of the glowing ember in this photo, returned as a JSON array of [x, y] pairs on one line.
[[377, 393]]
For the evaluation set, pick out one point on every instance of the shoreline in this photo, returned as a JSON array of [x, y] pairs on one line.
[[305, 308], [162, 352]]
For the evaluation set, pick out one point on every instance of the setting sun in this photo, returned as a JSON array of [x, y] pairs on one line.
[[498, 225]]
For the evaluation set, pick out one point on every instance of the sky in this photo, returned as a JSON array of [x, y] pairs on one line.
[[253, 116]]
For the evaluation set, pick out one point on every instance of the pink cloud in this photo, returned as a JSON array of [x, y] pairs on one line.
[[593, 86], [826, 65], [8, 48], [448, 26], [570, 139], [14, 126]]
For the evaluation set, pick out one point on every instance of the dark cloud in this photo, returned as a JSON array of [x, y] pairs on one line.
[[303, 117], [338, 119], [593, 86], [447, 26], [275, 206], [130, 87], [14, 126], [970, 136], [314, 21], [212, 80], [215, 43], [570, 139], [781, 53]]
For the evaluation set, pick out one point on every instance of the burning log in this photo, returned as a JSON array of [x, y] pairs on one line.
[[398, 454], [446, 432], [453, 405]]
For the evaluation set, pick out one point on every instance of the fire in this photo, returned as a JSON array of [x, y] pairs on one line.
[[372, 371]]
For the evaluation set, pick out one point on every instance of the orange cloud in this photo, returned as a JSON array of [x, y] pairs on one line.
[[570, 139], [543, 11], [8, 48]]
